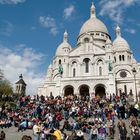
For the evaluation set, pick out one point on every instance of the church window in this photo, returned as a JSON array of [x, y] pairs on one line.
[[18, 88], [109, 57], [100, 71], [125, 89], [123, 74], [120, 92], [86, 40], [102, 35], [93, 12], [123, 57], [128, 58], [59, 61], [64, 60], [100, 62], [97, 33], [115, 59], [120, 58], [74, 72], [74, 62], [86, 65]]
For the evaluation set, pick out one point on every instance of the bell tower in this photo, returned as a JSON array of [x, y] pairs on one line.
[[20, 86]]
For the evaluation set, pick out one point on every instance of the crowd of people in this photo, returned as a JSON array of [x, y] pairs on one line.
[[73, 117]]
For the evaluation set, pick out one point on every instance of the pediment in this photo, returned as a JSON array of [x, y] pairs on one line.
[[83, 49]]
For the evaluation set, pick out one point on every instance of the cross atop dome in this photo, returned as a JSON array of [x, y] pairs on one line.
[[65, 39], [92, 11], [118, 31]]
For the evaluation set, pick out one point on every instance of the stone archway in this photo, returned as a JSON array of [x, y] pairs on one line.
[[68, 90], [84, 90], [100, 90]]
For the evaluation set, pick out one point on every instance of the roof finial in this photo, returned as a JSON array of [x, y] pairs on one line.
[[92, 11], [20, 77], [65, 39], [118, 31]]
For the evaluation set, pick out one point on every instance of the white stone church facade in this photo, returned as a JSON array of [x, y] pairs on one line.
[[96, 66]]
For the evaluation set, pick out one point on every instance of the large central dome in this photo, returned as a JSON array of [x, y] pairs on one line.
[[93, 24]]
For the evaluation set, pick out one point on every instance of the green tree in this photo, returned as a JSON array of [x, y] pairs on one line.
[[5, 88]]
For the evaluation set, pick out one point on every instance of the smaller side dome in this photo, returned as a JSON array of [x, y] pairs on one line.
[[64, 48], [120, 42]]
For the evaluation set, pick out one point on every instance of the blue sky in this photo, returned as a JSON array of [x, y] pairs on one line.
[[31, 30]]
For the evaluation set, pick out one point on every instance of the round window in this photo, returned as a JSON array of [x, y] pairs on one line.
[[123, 74]]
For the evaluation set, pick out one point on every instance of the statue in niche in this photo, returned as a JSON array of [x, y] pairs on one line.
[[60, 69]]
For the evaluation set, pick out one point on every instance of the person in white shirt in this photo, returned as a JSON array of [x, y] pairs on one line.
[[36, 131], [93, 133]]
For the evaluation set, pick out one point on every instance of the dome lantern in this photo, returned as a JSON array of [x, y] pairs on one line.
[[92, 11], [65, 39], [118, 31]]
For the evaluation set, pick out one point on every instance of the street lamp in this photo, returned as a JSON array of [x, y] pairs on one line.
[[134, 73]]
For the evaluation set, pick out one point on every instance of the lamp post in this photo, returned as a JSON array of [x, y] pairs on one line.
[[134, 73]]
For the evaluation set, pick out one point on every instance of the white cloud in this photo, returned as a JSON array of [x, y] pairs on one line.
[[11, 1], [132, 31], [49, 22], [69, 11], [54, 31], [6, 28], [23, 60], [114, 9]]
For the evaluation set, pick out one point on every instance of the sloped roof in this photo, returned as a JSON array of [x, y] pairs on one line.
[[21, 81]]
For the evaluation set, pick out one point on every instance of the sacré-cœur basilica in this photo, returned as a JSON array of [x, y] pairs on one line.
[[96, 66]]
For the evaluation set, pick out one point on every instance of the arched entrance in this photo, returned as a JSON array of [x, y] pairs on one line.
[[100, 91], [84, 90], [68, 90]]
